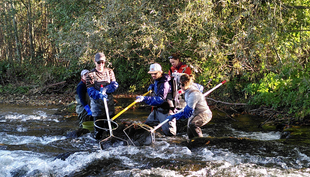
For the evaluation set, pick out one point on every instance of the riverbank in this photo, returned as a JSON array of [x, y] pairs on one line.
[[46, 99]]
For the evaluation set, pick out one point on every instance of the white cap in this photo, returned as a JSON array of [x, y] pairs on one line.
[[154, 68], [85, 71]]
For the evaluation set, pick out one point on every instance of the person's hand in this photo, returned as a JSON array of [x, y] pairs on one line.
[[170, 112], [103, 90], [170, 117], [139, 98], [87, 109], [150, 87], [103, 95]]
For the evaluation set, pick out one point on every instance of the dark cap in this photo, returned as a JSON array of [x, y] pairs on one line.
[[100, 57]]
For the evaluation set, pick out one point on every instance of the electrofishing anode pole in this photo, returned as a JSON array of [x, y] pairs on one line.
[[117, 115], [217, 86], [205, 94]]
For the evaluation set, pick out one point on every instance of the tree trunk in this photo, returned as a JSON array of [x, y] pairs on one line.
[[17, 43], [7, 35], [29, 16]]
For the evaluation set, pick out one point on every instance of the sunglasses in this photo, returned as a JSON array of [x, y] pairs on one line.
[[170, 57], [100, 62]]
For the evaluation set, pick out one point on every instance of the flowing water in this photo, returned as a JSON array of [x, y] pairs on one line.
[[33, 142]]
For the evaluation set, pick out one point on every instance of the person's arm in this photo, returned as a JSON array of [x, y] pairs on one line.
[[171, 106], [185, 114], [81, 91], [111, 87], [188, 70], [189, 108], [95, 94], [113, 84], [160, 96]]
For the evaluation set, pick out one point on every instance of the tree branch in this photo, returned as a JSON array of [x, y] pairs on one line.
[[235, 104]]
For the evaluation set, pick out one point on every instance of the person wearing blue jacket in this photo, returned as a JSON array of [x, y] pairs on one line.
[[196, 110], [95, 78], [83, 101], [158, 100]]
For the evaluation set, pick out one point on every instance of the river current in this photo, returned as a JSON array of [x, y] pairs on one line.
[[34, 142]]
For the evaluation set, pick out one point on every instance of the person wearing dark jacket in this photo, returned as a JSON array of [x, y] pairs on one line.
[[160, 88], [83, 101]]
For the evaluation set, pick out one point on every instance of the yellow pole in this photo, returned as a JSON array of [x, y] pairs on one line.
[[116, 116]]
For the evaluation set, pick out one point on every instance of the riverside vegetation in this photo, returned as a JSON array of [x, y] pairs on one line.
[[261, 47]]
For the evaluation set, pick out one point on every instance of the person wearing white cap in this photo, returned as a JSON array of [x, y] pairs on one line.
[[83, 101], [160, 88], [98, 76]]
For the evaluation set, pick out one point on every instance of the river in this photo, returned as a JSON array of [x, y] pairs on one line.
[[34, 142]]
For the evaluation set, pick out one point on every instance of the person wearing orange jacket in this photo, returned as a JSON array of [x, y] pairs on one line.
[[177, 65], [177, 69]]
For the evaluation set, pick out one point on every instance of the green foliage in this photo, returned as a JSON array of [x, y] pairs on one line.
[[13, 89], [287, 91], [132, 75]]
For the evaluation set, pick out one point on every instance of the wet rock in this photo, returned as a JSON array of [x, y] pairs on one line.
[[140, 136], [64, 156], [285, 135], [77, 133], [22, 171]]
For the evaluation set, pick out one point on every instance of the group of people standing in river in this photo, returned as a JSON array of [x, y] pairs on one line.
[[174, 96]]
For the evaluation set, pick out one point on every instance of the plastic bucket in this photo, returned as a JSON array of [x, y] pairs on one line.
[[89, 125], [102, 124]]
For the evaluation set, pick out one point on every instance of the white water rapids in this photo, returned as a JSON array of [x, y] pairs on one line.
[[31, 138]]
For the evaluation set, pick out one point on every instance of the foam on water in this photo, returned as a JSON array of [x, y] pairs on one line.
[[15, 161], [218, 161], [19, 140], [27, 114], [236, 159], [256, 135], [24, 118]]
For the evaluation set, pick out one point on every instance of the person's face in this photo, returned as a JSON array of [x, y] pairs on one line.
[[184, 87], [99, 65], [156, 75], [84, 76], [174, 62]]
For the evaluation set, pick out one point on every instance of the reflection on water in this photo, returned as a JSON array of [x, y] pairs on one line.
[[33, 142]]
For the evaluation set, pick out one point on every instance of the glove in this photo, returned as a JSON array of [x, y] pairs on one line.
[[103, 95], [185, 114], [111, 87], [139, 98], [87, 109], [170, 117], [151, 87], [92, 92]]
